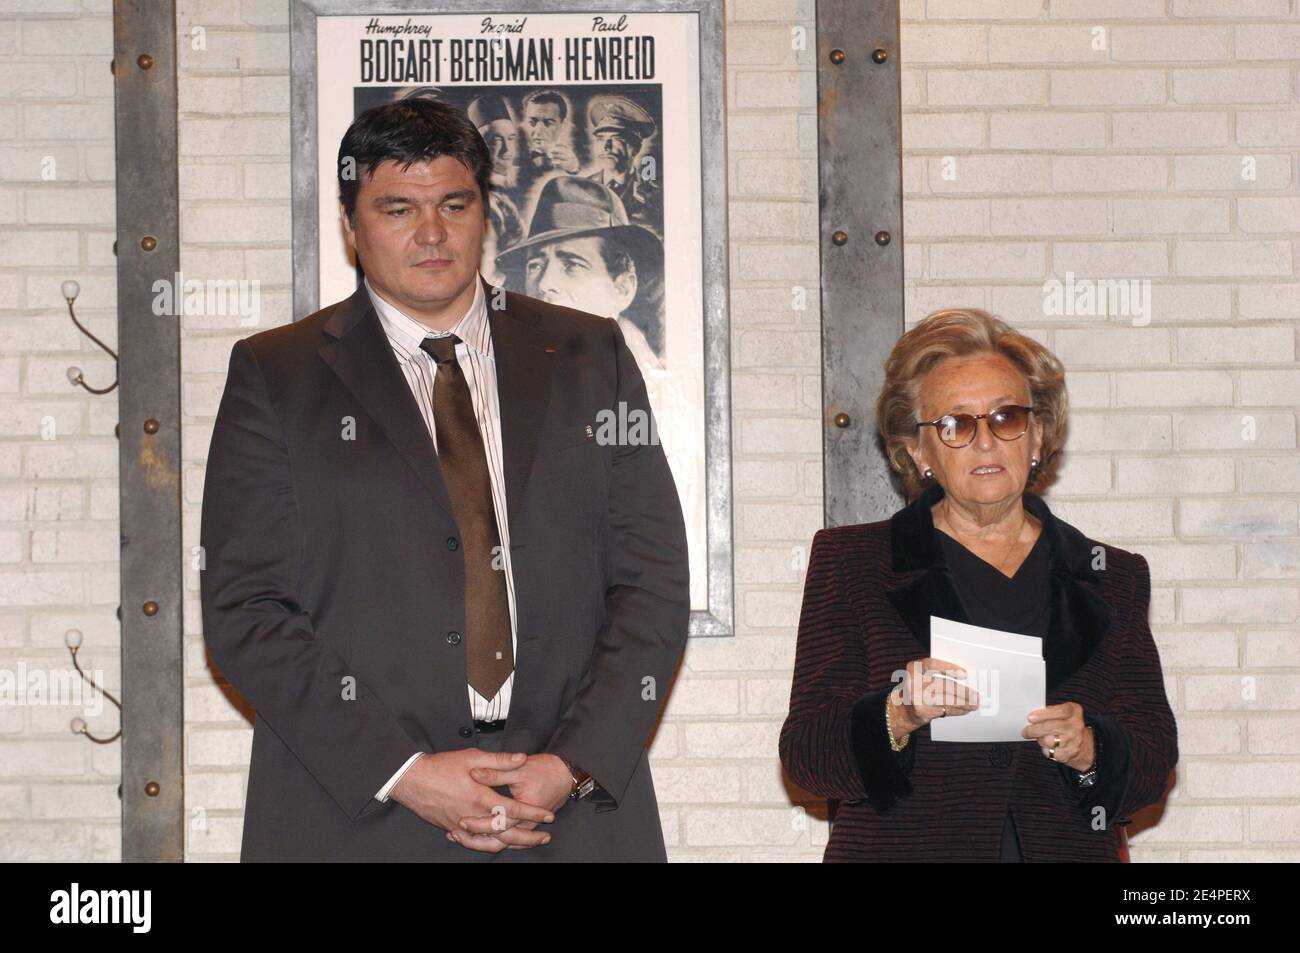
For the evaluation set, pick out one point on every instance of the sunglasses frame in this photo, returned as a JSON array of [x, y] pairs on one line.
[[977, 418]]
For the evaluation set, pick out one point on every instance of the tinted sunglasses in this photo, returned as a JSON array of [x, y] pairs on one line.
[[958, 430]]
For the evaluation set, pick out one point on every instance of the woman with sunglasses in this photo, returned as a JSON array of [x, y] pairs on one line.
[[972, 414]]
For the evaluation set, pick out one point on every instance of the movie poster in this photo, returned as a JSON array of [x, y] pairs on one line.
[[593, 122]]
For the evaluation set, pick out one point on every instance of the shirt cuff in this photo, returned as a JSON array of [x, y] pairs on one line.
[[383, 792]]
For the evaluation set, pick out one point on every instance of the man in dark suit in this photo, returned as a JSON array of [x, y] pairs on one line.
[[454, 600]]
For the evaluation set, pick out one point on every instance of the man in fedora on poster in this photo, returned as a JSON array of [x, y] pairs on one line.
[[582, 251], [455, 610]]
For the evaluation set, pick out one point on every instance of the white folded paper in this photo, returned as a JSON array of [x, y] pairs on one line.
[[1006, 669]]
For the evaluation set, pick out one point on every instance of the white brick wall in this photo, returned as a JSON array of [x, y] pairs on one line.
[[58, 488], [1108, 138]]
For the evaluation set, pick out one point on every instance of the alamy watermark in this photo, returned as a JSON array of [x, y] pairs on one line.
[[227, 297], [1099, 297], [50, 687]]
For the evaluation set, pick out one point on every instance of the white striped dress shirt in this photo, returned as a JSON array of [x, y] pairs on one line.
[[474, 355]]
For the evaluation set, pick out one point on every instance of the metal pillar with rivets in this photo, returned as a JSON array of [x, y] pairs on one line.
[[149, 452], [860, 198]]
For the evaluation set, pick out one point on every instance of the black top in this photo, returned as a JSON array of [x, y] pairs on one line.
[[1020, 603]]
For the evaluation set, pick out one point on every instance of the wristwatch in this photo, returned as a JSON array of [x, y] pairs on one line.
[[583, 783]]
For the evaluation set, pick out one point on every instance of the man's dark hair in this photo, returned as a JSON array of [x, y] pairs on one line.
[[644, 311], [616, 257], [408, 131], [543, 96]]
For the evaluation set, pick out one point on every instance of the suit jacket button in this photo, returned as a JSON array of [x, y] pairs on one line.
[[452, 543], [453, 638], [1000, 756], [466, 732]]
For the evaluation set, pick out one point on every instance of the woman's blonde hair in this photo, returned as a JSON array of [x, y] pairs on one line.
[[958, 332]]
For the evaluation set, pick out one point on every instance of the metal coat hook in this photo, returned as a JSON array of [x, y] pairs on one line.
[[70, 291], [72, 639]]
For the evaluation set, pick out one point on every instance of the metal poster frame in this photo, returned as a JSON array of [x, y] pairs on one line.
[[718, 618]]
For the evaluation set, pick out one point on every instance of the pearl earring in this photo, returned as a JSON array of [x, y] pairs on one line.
[[928, 473]]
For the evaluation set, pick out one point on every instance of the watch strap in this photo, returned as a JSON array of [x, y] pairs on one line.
[[583, 783]]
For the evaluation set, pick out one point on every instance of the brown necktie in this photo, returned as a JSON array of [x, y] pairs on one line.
[[489, 658]]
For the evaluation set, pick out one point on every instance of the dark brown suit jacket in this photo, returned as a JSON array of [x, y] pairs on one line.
[[334, 583], [868, 597]]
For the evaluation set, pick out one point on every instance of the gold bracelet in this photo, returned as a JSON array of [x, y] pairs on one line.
[[889, 728]]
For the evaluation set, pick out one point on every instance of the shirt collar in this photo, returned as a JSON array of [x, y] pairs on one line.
[[405, 333]]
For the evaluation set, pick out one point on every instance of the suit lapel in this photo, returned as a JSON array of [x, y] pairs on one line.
[[524, 371], [358, 351], [1079, 616]]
